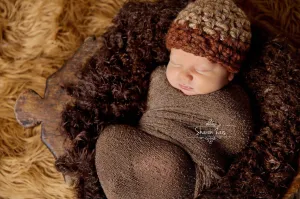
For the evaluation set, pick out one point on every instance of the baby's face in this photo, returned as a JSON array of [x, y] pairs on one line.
[[195, 75]]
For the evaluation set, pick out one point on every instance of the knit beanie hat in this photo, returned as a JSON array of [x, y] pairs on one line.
[[215, 29]]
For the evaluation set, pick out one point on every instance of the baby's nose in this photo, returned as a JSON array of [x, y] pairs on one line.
[[186, 76]]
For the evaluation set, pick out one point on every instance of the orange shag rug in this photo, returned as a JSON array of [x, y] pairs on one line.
[[36, 38]]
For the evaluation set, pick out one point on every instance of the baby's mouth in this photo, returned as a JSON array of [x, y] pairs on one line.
[[185, 87]]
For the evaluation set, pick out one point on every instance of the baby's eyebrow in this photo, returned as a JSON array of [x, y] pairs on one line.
[[203, 67], [172, 57]]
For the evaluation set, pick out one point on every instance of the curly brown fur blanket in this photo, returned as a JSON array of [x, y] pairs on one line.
[[267, 166], [118, 78]]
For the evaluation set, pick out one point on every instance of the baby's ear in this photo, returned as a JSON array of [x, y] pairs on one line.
[[230, 76]]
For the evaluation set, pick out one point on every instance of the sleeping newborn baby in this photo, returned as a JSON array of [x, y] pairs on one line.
[[197, 120], [193, 104]]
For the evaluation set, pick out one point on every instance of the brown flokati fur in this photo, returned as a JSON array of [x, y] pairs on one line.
[[114, 86], [266, 168]]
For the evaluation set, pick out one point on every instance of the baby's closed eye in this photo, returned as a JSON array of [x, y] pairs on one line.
[[202, 70], [175, 64], [197, 68]]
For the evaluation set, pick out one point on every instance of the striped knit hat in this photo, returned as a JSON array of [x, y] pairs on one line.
[[215, 29]]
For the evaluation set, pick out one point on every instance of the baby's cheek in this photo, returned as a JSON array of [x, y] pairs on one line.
[[170, 76], [218, 78], [207, 85]]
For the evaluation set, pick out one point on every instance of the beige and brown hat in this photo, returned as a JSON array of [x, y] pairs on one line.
[[215, 29]]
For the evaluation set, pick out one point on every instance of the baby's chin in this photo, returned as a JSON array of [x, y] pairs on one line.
[[186, 92], [193, 92], [189, 92]]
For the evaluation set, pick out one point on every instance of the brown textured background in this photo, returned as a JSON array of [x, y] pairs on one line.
[[36, 38]]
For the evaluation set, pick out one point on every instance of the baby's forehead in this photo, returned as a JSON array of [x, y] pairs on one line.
[[181, 57]]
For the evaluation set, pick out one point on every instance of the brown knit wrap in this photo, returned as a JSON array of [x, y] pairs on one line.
[[215, 29]]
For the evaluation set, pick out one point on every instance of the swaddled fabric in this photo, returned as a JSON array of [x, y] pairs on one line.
[[211, 128], [182, 145]]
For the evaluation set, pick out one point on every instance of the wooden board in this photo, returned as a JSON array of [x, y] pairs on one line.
[[31, 109]]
